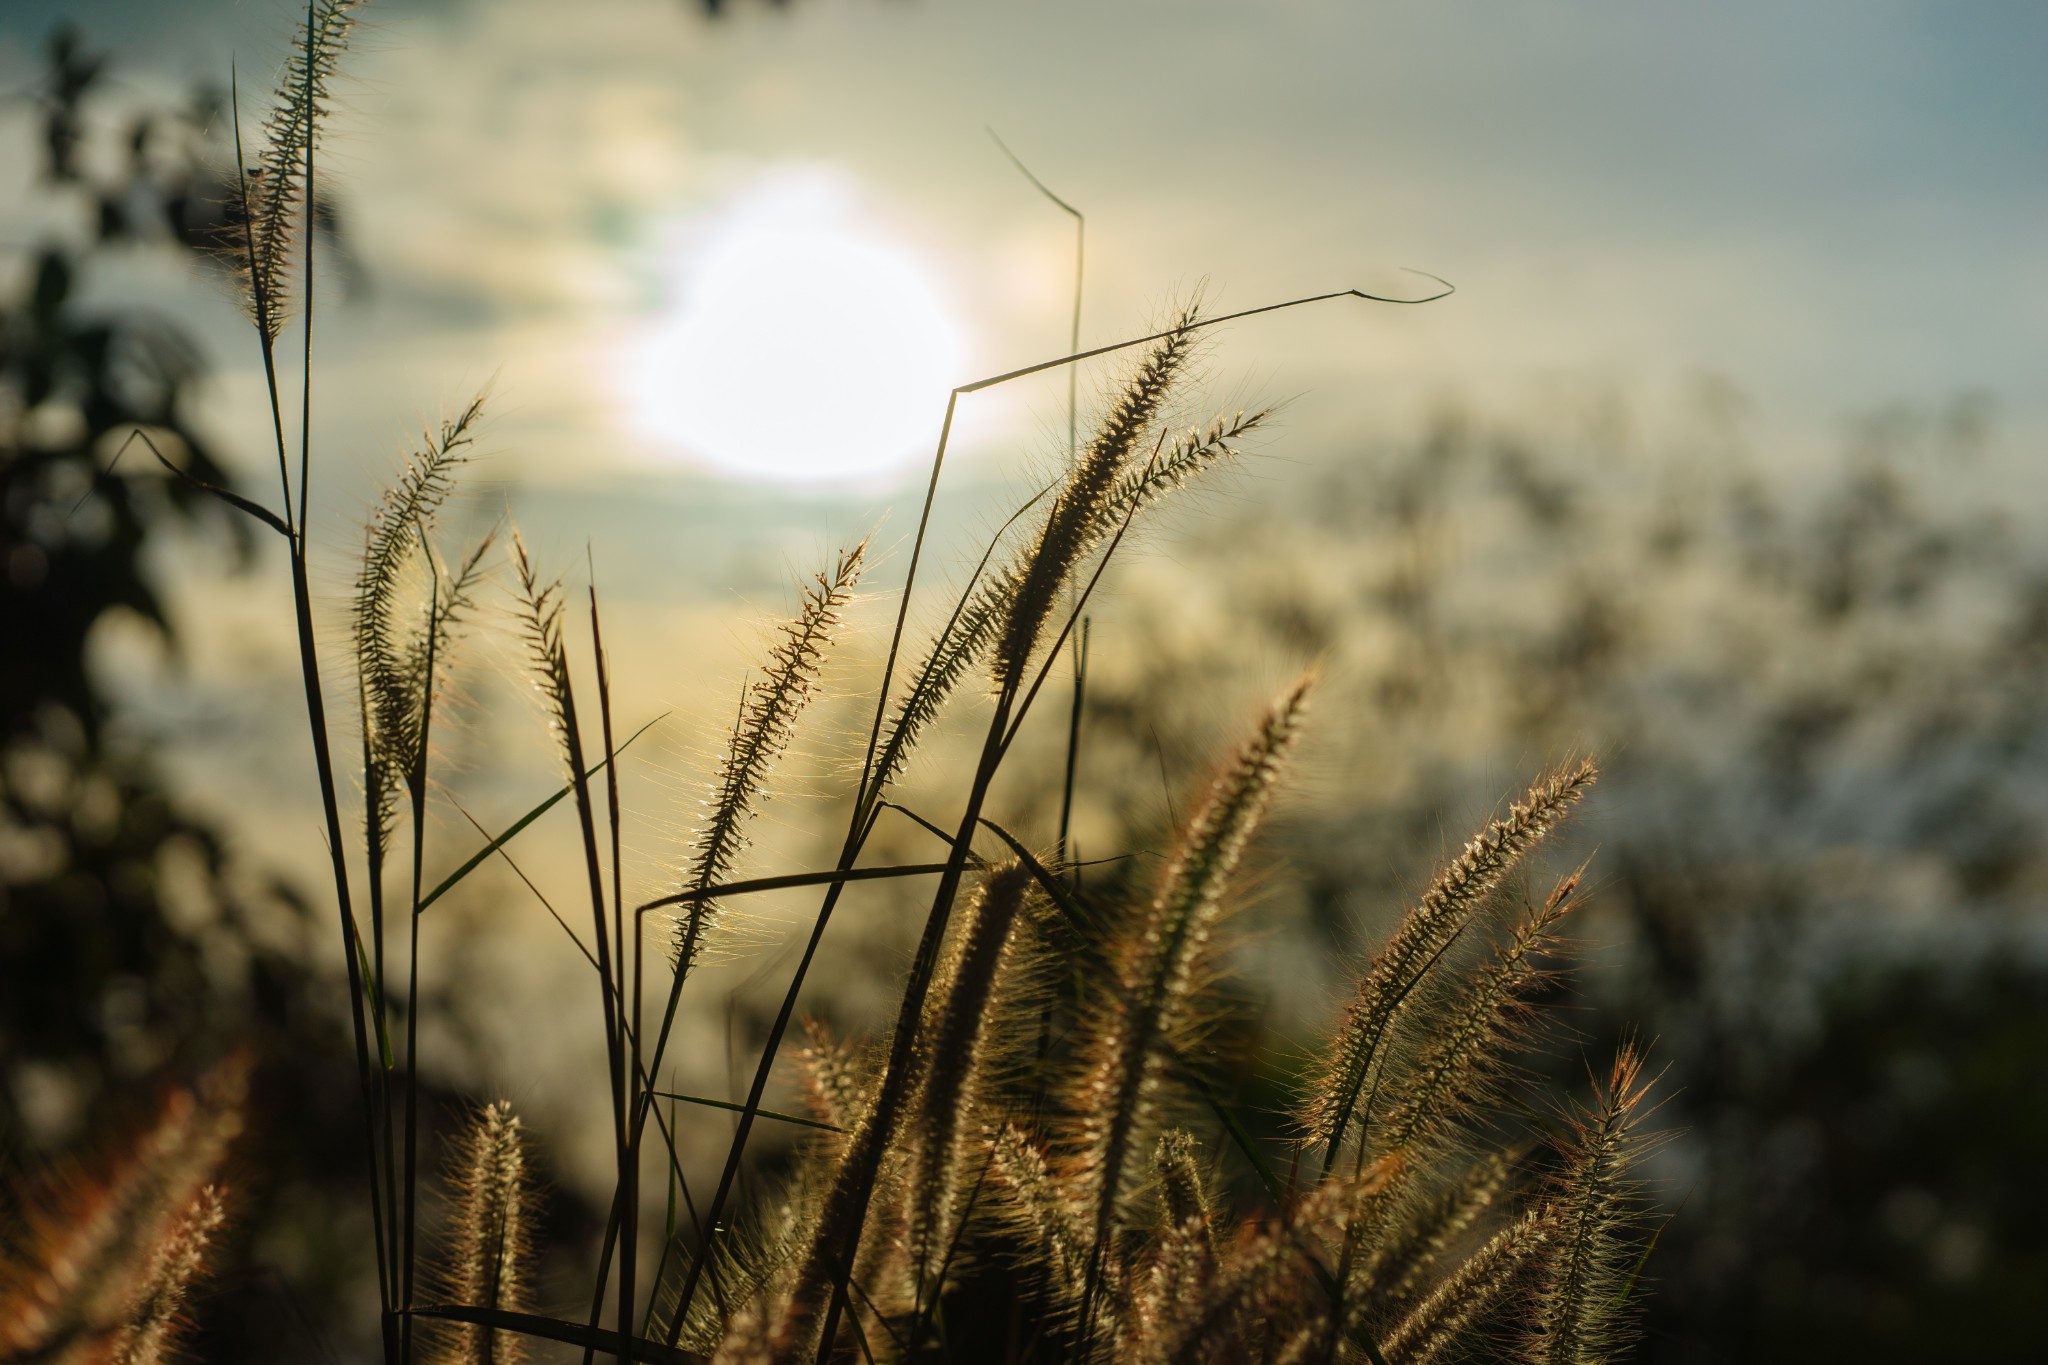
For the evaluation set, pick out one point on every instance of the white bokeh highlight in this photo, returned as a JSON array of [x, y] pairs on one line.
[[794, 342]]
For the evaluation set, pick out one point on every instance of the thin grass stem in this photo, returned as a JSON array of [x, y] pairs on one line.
[[868, 790]]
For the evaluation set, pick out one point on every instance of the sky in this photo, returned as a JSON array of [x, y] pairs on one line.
[[1835, 206], [645, 231]]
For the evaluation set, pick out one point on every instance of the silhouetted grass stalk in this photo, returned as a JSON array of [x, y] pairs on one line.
[[1356, 1253], [878, 769]]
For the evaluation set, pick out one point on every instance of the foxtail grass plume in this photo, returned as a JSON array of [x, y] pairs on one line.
[[274, 191], [1440, 1327], [490, 1240], [954, 1064], [101, 1268], [1582, 1316], [1457, 1070], [1464, 1057], [1459, 889], [1407, 1252], [395, 657], [539, 609], [948, 1057], [1183, 1190], [834, 1082], [962, 644], [1271, 1267], [766, 726], [1192, 454], [180, 1261], [1042, 1214], [982, 613], [1137, 1024], [1180, 1277], [1074, 522], [799, 1321], [750, 1270], [1183, 1264]]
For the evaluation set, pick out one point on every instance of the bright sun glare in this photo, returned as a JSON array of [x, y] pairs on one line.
[[793, 343]]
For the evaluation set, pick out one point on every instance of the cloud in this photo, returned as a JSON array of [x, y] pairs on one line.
[[1833, 203]]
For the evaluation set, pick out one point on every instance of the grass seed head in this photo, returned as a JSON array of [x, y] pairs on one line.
[[1075, 521], [766, 725], [274, 193], [1458, 890], [490, 1244]]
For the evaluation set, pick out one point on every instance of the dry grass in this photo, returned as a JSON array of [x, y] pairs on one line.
[[1026, 1121], [100, 1261]]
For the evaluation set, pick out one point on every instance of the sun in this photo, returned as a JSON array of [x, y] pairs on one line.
[[793, 343]]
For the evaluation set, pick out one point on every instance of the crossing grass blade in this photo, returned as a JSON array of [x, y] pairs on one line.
[[513, 830]]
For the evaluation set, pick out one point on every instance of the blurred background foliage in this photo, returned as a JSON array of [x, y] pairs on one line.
[[1821, 850], [1818, 844], [135, 948]]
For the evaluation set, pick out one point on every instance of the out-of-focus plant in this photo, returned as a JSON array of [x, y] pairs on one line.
[[132, 942], [1815, 690], [90, 839], [1409, 1227], [98, 1265]]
